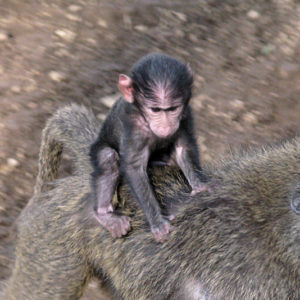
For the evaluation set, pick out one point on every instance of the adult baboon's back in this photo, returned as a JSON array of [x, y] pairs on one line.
[[241, 242]]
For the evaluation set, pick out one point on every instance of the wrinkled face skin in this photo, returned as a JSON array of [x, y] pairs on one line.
[[160, 109], [164, 120], [162, 113]]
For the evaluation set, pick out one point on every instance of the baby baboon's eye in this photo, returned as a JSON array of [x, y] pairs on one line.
[[172, 108], [155, 109]]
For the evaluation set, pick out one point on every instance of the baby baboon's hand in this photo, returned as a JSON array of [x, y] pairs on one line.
[[202, 187], [162, 230]]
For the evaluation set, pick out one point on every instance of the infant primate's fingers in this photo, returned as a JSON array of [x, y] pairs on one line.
[[171, 217], [202, 188], [161, 233], [126, 225], [114, 232], [161, 236]]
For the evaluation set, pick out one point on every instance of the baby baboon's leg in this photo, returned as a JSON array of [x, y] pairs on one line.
[[105, 186]]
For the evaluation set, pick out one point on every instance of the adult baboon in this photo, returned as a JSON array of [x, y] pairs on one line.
[[240, 242]]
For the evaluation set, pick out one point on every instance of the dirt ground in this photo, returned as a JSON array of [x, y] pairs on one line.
[[245, 57]]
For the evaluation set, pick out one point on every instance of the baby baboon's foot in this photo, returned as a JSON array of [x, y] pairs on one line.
[[117, 225]]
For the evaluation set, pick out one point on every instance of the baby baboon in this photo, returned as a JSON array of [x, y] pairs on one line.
[[152, 120], [241, 242]]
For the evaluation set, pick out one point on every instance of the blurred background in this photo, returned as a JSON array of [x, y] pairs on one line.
[[245, 56]]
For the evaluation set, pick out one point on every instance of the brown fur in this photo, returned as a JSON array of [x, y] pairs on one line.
[[241, 242]]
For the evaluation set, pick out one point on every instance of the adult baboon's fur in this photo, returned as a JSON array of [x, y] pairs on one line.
[[240, 242]]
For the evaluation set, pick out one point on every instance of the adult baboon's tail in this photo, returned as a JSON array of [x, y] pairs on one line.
[[73, 127]]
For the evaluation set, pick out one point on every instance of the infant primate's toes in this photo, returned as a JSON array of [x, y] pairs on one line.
[[170, 217], [117, 225]]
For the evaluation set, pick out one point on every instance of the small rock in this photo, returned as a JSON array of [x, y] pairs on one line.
[[199, 49], [65, 34], [3, 36], [74, 8], [56, 76], [180, 16], [12, 162], [1, 70], [16, 89], [179, 33], [237, 104], [253, 14], [267, 49], [62, 52], [92, 41], [110, 100], [193, 37], [32, 105], [20, 155], [250, 118], [102, 23], [141, 28], [73, 17]]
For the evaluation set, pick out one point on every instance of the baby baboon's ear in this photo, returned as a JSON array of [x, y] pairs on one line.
[[125, 87]]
